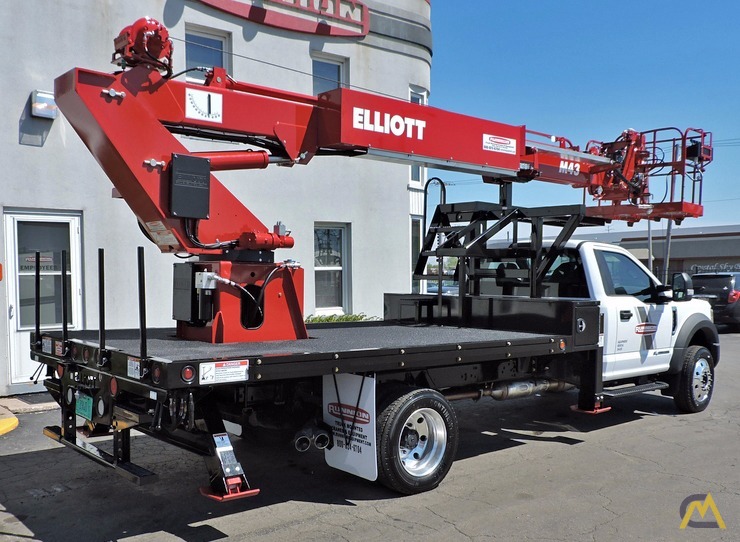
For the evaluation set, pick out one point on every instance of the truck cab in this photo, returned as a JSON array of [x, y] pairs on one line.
[[646, 328], [643, 323]]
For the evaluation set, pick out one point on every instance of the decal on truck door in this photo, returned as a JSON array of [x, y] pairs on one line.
[[646, 329]]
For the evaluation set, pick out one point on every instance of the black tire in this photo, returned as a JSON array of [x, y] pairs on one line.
[[417, 435], [696, 381]]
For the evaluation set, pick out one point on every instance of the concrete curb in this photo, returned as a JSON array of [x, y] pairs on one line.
[[8, 421], [21, 404]]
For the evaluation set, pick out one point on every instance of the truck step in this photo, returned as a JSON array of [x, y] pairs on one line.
[[634, 390], [134, 473]]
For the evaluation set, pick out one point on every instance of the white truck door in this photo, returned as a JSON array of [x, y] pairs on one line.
[[643, 329]]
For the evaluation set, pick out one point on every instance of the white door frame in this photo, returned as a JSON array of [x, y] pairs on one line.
[[20, 367]]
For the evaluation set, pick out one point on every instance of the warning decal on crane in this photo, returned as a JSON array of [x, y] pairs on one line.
[[496, 143]]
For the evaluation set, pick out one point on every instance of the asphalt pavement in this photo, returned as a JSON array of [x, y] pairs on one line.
[[527, 469]]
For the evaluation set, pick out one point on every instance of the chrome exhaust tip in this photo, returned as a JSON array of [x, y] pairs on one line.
[[321, 439], [302, 440]]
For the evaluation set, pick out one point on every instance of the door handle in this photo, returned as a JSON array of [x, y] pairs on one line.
[[625, 316], [11, 312]]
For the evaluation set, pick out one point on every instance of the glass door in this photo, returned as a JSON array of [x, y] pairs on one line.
[[49, 235]]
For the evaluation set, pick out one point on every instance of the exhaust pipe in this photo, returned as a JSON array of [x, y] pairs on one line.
[[302, 439], [309, 435], [321, 439], [513, 390]]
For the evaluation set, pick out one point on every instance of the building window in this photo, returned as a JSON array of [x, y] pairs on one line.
[[205, 48], [331, 268], [418, 173], [416, 236], [328, 74]]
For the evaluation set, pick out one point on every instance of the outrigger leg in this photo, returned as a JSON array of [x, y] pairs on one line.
[[226, 475], [591, 390]]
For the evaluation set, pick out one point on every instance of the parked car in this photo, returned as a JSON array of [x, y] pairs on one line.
[[722, 290], [449, 287]]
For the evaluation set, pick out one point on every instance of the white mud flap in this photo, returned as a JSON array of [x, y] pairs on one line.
[[349, 409]]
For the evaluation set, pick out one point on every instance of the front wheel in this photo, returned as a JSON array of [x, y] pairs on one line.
[[696, 381], [417, 441]]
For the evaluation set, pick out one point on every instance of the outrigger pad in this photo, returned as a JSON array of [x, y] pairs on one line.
[[595, 411], [234, 487]]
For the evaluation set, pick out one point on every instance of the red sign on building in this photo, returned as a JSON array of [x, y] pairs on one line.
[[346, 18]]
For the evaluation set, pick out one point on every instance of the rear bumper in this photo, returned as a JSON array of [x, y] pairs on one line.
[[728, 314]]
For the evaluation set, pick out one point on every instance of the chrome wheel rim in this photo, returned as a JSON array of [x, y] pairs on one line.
[[701, 383], [422, 443]]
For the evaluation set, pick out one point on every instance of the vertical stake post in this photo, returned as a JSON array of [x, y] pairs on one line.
[[37, 301], [142, 304], [102, 352], [65, 300]]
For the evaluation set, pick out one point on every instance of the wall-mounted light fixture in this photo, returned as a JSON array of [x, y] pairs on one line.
[[43, 104]]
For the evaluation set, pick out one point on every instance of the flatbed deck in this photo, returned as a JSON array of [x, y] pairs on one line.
[[369, 347], [323, 339]]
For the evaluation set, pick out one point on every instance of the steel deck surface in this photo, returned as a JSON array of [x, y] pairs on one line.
[[163, 343]]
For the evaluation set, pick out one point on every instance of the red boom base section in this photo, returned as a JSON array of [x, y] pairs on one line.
[[235, 316]]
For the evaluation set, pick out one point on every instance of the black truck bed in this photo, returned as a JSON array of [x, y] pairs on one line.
[[323, 339], [356, 347]]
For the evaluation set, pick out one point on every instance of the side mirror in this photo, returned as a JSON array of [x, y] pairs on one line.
[[683, 287], [663, 294]]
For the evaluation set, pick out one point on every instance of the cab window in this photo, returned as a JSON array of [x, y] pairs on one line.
[[565, 277], [622, 275]]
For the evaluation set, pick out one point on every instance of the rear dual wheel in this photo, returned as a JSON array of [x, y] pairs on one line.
[[417, 434]]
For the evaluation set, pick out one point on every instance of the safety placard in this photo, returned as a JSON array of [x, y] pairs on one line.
[[133, 369], [164, 238], [218, 372], [349, 409]]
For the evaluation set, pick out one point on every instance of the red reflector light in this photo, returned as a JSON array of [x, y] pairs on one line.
[[60, 370], [156, 374], [188, 373], [733, 296], [113, 386]]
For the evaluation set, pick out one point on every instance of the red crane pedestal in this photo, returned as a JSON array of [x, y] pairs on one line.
[[271, 311]]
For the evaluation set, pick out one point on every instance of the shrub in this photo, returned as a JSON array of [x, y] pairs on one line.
[[330, 318]]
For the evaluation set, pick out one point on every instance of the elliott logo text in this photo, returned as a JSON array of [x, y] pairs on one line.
[[386, 123]]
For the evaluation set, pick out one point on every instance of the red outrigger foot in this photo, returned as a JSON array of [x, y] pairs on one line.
[[235, 491], [596, 410]]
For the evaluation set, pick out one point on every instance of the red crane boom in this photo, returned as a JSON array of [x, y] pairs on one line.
[[129, 120]]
